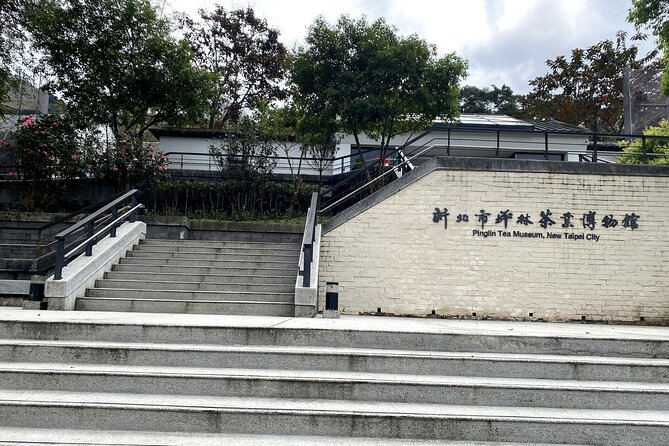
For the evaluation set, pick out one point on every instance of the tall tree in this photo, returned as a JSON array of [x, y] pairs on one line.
[[654, 14], [493, 99], [244, 56], [364, 78], [115, 63], [12, 47], [587, 88]]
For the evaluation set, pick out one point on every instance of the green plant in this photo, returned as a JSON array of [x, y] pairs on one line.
[[49, 154], [657, 149], [129, 162]]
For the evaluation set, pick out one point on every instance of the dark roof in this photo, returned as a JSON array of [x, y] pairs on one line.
[[558, 126]]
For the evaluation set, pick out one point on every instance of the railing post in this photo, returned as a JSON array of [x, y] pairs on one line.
[[448, 147], [133, 213], [114, 214], [594, 148], [644, 150], [546, 146], [306, 270], [90, 228], [60, 258], [497, 148]]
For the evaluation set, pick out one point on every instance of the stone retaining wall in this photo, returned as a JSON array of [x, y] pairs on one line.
[[396, 252]]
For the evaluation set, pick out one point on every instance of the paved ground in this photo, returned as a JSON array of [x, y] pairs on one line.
[[369, 323]]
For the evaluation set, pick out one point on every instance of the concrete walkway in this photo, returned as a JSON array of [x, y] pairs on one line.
[[349, 323]]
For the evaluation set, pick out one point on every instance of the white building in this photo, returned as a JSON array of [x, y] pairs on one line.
[[472, 135]]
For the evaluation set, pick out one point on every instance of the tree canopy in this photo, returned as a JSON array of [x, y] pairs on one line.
[[243, 55], [12, 44], [654, 14], [586, 88], [493, 99], [365, 78], [114, 63]]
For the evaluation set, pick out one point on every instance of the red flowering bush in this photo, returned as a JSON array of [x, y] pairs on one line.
[[48, 148], [130, 162], [48, 153]]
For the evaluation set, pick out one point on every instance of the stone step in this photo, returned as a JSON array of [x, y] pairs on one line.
[[34, 436], [207, 269], [151, 284], [267, 416], [329, 385], [237, 257], [200, 307], [347, 332], [207, 262], [219, 295], [288, 250], [200, 278], [218, 244], [551, 367]]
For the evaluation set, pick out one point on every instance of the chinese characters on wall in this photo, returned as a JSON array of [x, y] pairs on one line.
[[491, 224]]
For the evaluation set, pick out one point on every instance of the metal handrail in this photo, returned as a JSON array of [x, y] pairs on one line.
[[41, 237], [308, 240], [383, 175], [109, 211]]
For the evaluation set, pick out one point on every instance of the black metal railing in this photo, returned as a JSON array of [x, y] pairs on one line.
[[82, 236], [308, 241]]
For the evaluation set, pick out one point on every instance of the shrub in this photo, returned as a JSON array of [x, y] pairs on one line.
[[657, 149]]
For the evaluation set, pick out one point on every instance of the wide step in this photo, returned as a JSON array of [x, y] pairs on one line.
[[328, 385], [67, 410], [377, 381]]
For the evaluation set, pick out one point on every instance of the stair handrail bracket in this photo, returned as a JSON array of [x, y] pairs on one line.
[[306, 285], [111, 216]]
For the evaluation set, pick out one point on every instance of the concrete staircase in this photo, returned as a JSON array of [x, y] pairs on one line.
[[114, 378], [243, 276]]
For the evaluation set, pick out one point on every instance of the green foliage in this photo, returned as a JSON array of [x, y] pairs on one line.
[[227, 199], [657, 149], [49, 154], [654, 14], [496, 100], [244, 153], [115, 63], [281, 125], [586, 89], [129, 162], [363, 78], [244, 57]]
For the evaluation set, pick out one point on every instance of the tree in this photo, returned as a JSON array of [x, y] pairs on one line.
[[280, 124], [497, 100], [14, 54], [657, 147], [587, 89], [115, 63], [363, 78], [654, 14], [244, 57]]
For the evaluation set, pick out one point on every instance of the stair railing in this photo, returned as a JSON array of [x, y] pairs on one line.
[[90, 230], [308, 240]]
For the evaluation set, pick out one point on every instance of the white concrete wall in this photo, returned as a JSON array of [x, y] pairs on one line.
[[461, 143], [195, 148], [394, 257]]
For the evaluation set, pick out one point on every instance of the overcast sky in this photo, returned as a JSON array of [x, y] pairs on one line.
[[505, 41]]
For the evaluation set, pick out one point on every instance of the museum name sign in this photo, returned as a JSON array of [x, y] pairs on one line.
[[546, 220]]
